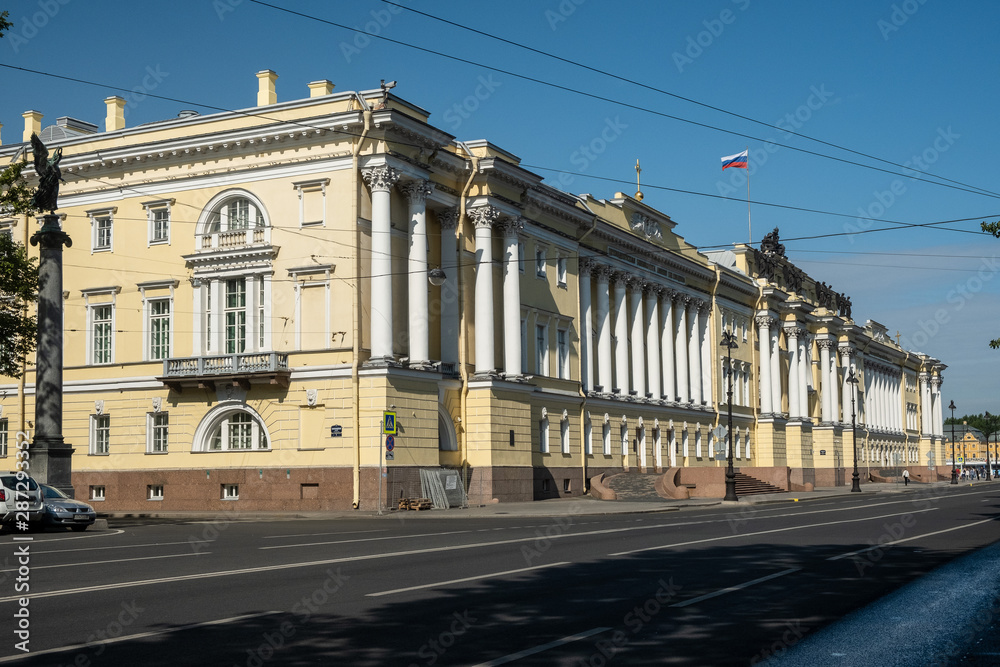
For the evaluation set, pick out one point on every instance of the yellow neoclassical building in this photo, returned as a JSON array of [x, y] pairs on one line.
[[249, 292]]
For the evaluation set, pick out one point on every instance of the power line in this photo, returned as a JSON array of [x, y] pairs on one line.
[[610, 100]]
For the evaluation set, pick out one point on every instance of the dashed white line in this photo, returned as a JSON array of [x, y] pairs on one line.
[[737, 587], [544, 647], [463, 580]]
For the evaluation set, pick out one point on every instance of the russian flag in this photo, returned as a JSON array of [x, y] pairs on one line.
[[738, 161]]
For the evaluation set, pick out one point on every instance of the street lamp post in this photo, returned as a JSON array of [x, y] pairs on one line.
[[729, 342], [989, 471], [954, 461], [855, 478], [965, 429]]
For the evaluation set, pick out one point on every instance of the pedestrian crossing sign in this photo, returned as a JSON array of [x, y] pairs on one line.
[[389, 423]]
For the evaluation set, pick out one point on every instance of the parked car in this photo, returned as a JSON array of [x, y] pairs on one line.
[[61, 510], [29, 492]]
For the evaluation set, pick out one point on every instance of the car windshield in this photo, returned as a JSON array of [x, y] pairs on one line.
[[52, 492], [10, 482]]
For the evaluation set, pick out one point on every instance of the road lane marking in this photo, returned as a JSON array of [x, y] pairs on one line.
[[463, 580], [737, 587], [116, 548], [106, 562], [140, 635], [544, 647], [915, 537], [765, 532], [74, 538], [365, 539], [343, 532]]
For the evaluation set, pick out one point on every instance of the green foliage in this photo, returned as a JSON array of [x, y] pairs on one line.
[[4, 23], [994, 229], [987, 423], [18, 285], [15, 195]]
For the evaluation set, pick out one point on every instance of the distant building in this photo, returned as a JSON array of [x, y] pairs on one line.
[[249, 291]]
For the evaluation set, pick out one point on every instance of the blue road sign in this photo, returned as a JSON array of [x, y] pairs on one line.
[[390, 442]]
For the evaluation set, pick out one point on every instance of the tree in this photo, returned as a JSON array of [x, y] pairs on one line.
[[994, 229]]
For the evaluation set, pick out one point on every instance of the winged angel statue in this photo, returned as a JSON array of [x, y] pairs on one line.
[[49, 176]]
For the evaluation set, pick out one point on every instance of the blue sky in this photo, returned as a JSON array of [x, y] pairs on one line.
[[905, 81]]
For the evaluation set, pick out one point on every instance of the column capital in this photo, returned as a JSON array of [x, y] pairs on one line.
[[937, 380], [448, 218], [764, 321], [794, 329], [586, 266], [416, 192], [635, 283], [510, 226], [603, 272], [380, 179], [826, 343], [652, 289], [484, 216], [620, 277]]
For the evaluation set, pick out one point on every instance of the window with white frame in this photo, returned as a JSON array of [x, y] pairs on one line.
[[543, 435], [236, 315], [561, 270], [540, 261], [697, 443], [312, 201], [624, 438], [3, 437], [736, 444], [102, 229], [562, 350], [102, 319], [231, 429], [588, 437], [236, 214], [154, 492], [542, 349], [230, 491], [685, 440], [100, 434], [157, 430], [158, 217], [564, 434], [97, 492], [606, 438], [158, 312]]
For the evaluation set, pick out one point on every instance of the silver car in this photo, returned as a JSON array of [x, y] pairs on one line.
[[61, 510], [19, 487]]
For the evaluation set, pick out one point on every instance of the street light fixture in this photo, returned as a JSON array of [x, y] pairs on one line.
[[855, 478], [729, 342], [954, 461]]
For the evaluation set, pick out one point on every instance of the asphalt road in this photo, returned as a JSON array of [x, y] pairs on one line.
[[705, 586]]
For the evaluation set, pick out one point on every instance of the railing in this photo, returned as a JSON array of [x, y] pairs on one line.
[[235, 239], [230, 364]]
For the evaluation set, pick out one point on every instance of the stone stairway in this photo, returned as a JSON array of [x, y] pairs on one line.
[[634, 486], [751, 486]]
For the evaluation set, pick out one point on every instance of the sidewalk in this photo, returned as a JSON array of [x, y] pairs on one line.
[[579, 506]]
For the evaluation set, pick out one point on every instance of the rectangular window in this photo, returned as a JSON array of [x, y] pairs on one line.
[[157, 425], [102, 232], [541, 349], [97, 492], [624, 438], [540, 262], [100, 434], [208, 317], [159, 329], [159, 225], [236, 316], [606, 439], [562, 347], [561, 271], [3, 437], [230, 491], [588, 437], [543, 436], [260, 312], [102, 319], [564, 435], [154, 492]]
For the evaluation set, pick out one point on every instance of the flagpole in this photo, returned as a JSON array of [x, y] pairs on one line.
[[749, 227]]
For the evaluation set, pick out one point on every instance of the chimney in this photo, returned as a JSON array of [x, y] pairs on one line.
[[265, 88], [32, 124], [115, 120], [320, 88]]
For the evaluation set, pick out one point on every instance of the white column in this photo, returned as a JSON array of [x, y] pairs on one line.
[[764, 345], [586, 267], [683, 386], [636, 320], [416, 277], [834, 384], [694, 350], [847, 389], [803, 369], [484, 217], [925, 404], [705, 336], [667, 345], [512, 298], [621, 335], [449, 290], [604, 376], [869, 410], [653, 341], [938, 405], [775, 367], [792, 336], [827, 386], [381, 180]]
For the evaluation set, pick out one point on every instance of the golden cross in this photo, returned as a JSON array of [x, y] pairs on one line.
[[898, 336], [638, 188]]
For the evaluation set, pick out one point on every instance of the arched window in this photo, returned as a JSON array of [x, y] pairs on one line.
[[236, 213], [231, 428]]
